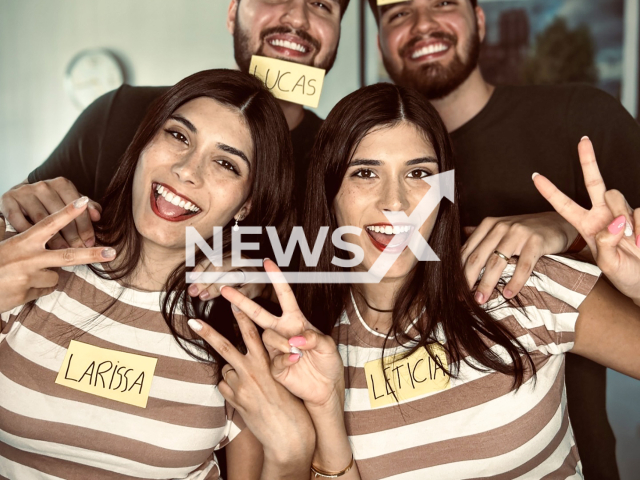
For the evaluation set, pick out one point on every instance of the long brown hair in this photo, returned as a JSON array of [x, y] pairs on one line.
[[437, 288], [271, 203]]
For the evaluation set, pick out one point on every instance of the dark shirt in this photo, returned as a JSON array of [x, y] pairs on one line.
[[523, 130], [91, 151]]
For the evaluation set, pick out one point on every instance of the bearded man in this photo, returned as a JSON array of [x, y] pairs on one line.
[[501, 136]]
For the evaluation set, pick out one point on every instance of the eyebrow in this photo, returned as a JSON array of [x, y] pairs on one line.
[[385, 8], [184, 121], [376, 163], [234, 151]]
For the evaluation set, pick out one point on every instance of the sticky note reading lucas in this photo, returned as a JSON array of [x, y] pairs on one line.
[[120, 376], [289, 81], [406, 378]]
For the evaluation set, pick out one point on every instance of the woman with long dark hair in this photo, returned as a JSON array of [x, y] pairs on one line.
[[102, 378], [424, 383]]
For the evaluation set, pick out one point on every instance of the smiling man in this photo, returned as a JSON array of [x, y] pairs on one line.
[[501, 135], [301, 31]]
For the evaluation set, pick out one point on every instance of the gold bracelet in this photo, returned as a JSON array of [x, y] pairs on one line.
[[323, 474]]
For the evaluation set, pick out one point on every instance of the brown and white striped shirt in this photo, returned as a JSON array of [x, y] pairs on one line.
[[51, 431], [421, 424]]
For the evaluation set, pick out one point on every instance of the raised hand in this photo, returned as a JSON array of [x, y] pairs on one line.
[[38, 200], [279, 421], [304, 360], [25, 263], [611, 228]]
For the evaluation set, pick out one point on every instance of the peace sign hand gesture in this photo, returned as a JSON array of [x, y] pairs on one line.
[[608, 228], [304, 360], [25, 263]]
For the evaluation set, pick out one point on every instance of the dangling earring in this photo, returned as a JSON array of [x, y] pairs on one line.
[[236, 227]]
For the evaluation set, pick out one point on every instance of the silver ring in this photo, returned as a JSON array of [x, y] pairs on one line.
[[501, 255]]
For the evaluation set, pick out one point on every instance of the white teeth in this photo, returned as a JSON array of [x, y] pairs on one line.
[[388, 229], [396, 230], [430, 49], [176, 199], [288, 44]]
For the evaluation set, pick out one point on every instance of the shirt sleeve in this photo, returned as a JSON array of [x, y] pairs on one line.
[[616, 140], [75, 158], [235, 425], [548, 311]]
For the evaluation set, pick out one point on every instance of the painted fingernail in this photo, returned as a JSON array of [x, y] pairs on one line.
[[584, 138], [90, 242], [507, 293], [221, 287], [297, 341], [194, 325], [108, 252], [479, 297], [535, 174], [628, 229], [294, 357], [81, 202], [617, 225], [264, 260], [234, 308], [193, 290], [204, 295], [295, 351]]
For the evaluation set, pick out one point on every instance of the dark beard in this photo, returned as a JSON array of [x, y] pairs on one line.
[[243, 53], [435, 81]]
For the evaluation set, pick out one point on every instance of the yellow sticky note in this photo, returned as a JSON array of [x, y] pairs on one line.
[[120, 376], [403, 379], [388, 2], [288, 80]]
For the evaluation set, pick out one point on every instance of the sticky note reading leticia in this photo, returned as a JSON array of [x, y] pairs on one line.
[[124, 377], [405, 378], [288, 80]]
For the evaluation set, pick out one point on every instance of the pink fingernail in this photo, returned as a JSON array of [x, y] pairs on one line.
[[204, 295], [507, 293], [535, 174], [297, 341], [294, 357], [617, 225], [585, 137], [193, 290], [479, 298], [108, 252]]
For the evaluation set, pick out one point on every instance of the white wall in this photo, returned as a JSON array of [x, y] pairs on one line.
[[161, 41]]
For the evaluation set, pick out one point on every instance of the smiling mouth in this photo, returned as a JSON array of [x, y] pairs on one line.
[[389, 238], [427, 50], [289, 44], [169, 205]]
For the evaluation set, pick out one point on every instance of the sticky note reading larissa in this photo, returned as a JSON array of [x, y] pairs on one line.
[[120, 376], [406, 378], [288, 80]]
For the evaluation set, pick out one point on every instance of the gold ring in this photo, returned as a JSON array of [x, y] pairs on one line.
[[501, 255], [225, 373]]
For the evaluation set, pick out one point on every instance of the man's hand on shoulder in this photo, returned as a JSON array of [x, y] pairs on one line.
[[27, 204]]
